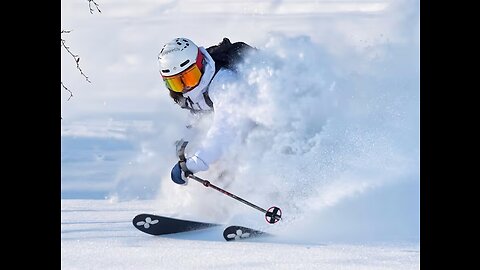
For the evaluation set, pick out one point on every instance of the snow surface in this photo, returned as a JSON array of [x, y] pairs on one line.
[[335, 91], [98, 234]]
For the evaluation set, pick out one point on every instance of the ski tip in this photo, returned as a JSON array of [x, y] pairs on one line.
[[235, 233], [159, 225]]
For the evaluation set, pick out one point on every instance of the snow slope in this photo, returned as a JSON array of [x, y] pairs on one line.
[[336, 90], [98, 234]]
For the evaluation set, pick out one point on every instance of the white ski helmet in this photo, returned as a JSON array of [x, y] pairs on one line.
[[176, 56]]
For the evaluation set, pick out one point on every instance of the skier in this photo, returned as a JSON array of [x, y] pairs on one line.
[[196, 79]]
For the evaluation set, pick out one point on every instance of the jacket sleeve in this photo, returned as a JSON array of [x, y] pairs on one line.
[[222, 132]]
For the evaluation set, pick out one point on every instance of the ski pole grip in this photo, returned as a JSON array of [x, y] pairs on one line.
[[181, 156], [181, 151]]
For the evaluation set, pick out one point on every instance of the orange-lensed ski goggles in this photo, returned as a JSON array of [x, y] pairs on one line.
[[186, 79]]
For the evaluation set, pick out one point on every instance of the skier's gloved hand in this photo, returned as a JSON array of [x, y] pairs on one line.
[[179, 176]]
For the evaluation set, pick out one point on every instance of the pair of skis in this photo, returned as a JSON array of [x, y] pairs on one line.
[[158, 225]]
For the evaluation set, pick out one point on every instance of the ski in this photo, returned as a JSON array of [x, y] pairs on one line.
[[159, 225], [233, 233]]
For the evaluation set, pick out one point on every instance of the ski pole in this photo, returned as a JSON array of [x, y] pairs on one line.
[[272, 215]]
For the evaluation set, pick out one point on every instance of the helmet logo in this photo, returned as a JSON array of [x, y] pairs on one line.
[[169, 51]]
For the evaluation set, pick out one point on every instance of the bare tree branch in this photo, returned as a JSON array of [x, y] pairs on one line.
[[90, 6], [71, 94], [75, 57]]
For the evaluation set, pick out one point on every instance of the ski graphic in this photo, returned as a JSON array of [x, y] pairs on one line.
[[233, 233], [159, 225]]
